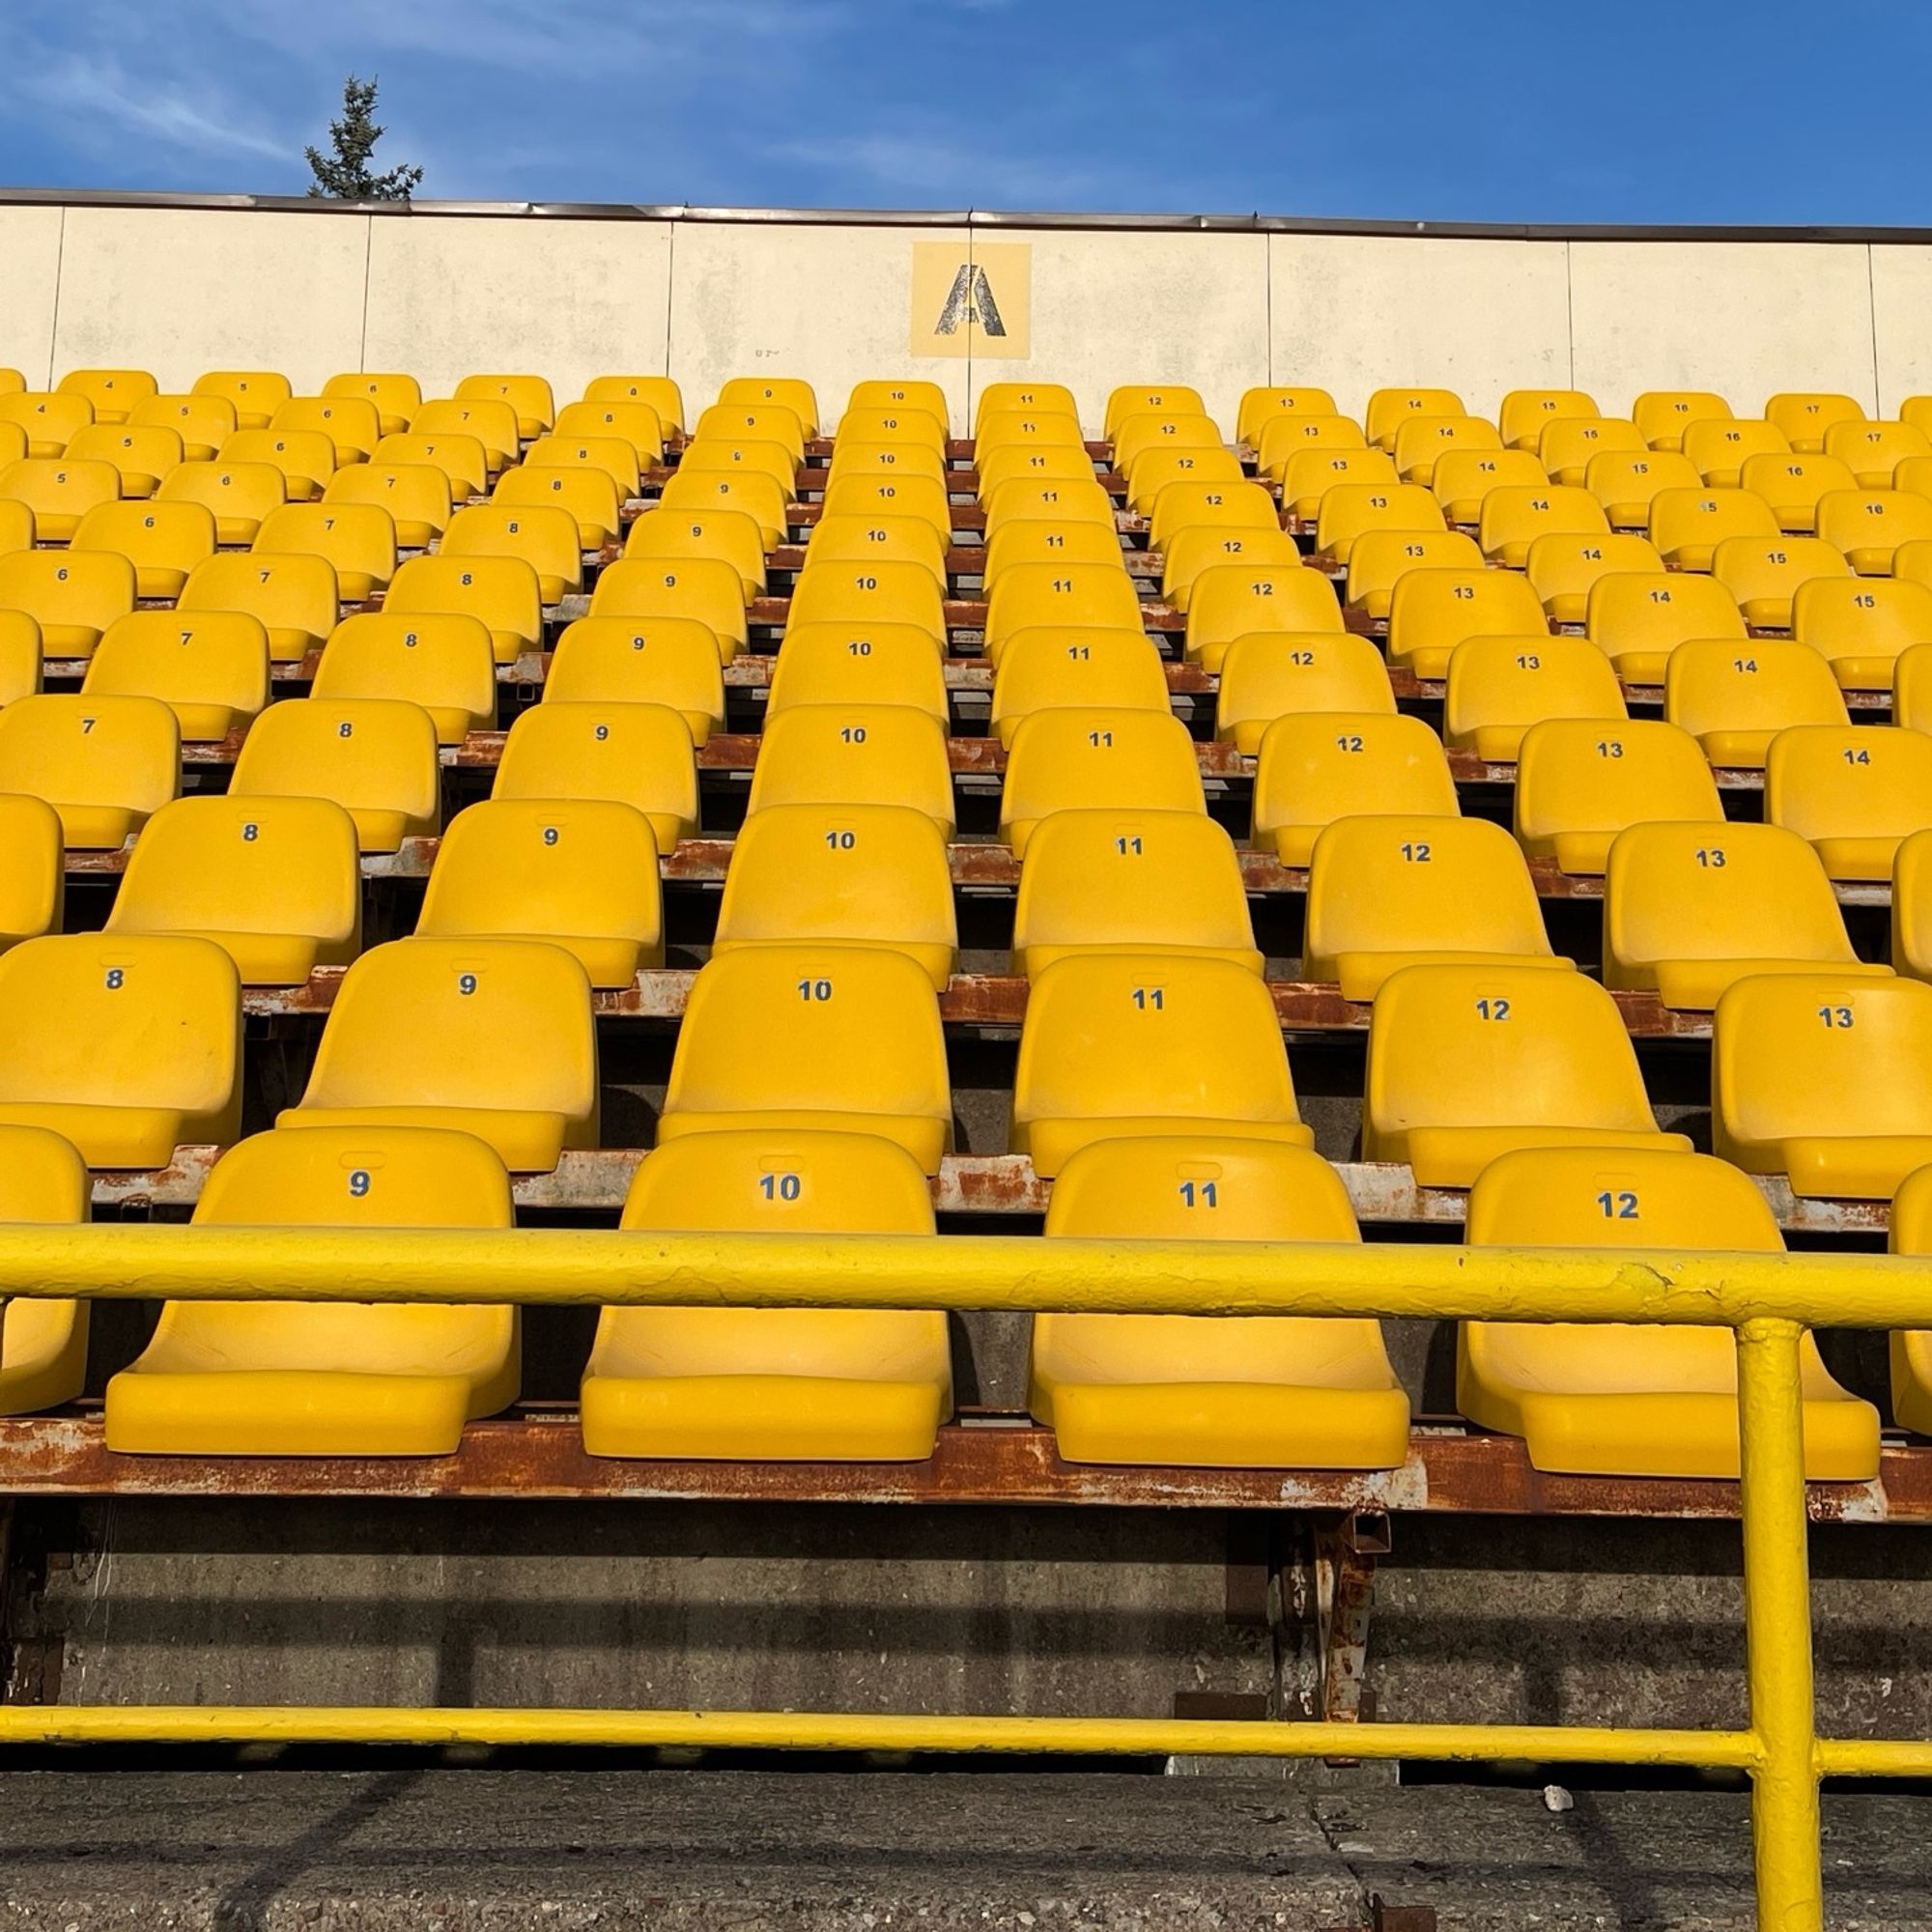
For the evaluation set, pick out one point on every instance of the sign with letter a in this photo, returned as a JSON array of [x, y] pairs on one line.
[[972, 301]]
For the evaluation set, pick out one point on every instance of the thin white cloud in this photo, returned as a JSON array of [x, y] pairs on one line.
[[102, 103], [968, 171]]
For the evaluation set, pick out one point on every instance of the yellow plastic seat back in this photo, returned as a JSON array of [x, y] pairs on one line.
[[1515, 515], [902, 394], [788, 392], [1128, 400], [1119, 879], [48, 420], [1234, 600], [1579, 783], [1063, 759], [1421, 441], [1350, 509], [416, 1040], [353, 425], [1687, 526], [463, 459], [127, 1045], [1822, 1076], [579, 873], [20, 655], [1321, 766], [637, 754], [1223, 506], [661, 392], [530, 396], [1057, 670], [1734, 697], [1386, 892], [1690, 909], [864, 1049], [1526, 413], [375, 757], [1763, 573], [1911, 687], [1377, 558], [1499, 687], [295, 597], [1911, 907], [1566, 445], [1021, 498], [1637, 619], [857, 456], [1308, 474], [1260, 405], [855, 754], [1864, 626], [1155, 470], [842, 874], [772, 462], [1008, 428], [162, 541], [1463, 478], [1433, 610], [209, 668], [1874, 450], [255, 394], [1792, 485], [72, 595], [272, 881], [1150, 430], [1626, 481], [1718, 448], [1851, 794], [858, 664], [1466, 1062], [502, 591], [204, 423], [1561, 567], [1665, 415], [870, 593], [1205, 547], [1121, 1044], [1282, 437], [1041, 398], [32, 868], [544, 536], [1063, 596], [637, 426], [1807, 416], [441, 662], [670, 660], [1033, 463], [357, 539], [589, 496], [708, 589], [1389, 409], [847, 539], [396, 397], [303, 459], [1870, 525], [112, 392], [44, 1347], [1273, 673], [489, 419], [877, 495], [730, 536], [59, 490], [104, 764], [757, 422]]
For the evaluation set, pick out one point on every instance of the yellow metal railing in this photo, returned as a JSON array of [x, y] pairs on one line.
[[1768, 1299]]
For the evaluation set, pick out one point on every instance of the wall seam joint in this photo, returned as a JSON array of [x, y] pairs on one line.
[[54, 321], [368, 270]]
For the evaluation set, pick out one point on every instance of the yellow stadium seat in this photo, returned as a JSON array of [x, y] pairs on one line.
[[708, 589], [17, 527], [59, 491], [902, 394], [129, 1046], [239, 495], [636, 426], [772, 461], [838, 876], [396, 398], [295, 596], [530, 396], [462, 458], [1132, 399], [1525, 413], [140, 456], [670, 661], [1038, 540], [20, 655], [1123, 880], [1162, 429], [272, 881], [1911, 907], [1063, 759], [1918, 411], [1023, 498], [857, 454], [721, 536], [1823, 1077], [209, 668], [855, 754], [112, 392], [417, 1039], [844, 538], [1719, 448], [1156, 470], [579, 873], [1792, 485], [503, 591], [1432, 611], [1350, 509], [1516, 514], [12, 382], [48, 420], [1051, 668], [884, 496], [1377, 557], [1194, 1391], [256, 394], [1204, 546], [357, 539], [1627, 1399], [1118, 1045], [1050, 398], [490, 420], [104, 764], [32, 868], [586, 496], [1269, 674], [303, 459], [864, 1049], [1389, 409], [72, 595], [1283, 437], [752, 422], [1029, 428], [1852, 793], [1911, 687], [1213, 505], [374, 756], [1637, 619], [1763, 573], [351, 424], [441, 661], [613, 457], [204, 423], [1467, 1062], [1566, 446], [543, 535], [1316, 767], [1578, 784], [788, 392], [659, 391], [1625, 483], [1807, 417], [1078, 596], [1687, 526], [858, 664], [637, 754], [1260, 405], [162, 541], [1464, 477], [1870, 525], [1863, 627], [1033, 463], [1911, 1349], [43, 1345], [1911, 562], [772, 1385], [1309, 474], [1691, 909], [1499, 687], [868, 594], [1874, 450], [294, 1379], [1665, 415], [1734, 697], [1422, 440], [1561, 567], [1385, 892]]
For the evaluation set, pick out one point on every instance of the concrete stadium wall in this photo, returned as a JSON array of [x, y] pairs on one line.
[[443, 292]]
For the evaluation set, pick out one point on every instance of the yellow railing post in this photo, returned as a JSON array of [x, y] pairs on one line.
[[1778, 1630]]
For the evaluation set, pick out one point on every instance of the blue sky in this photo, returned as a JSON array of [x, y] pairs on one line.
[[1491, 110]]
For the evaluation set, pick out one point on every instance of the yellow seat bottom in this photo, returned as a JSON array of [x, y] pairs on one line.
[[1454, 1157], [42, 1354], [924, 1137], [285, 1413], [1052, 1143], [525, 1142]]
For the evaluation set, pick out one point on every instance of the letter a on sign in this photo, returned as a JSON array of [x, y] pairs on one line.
[[971, 299], [975, 302]]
